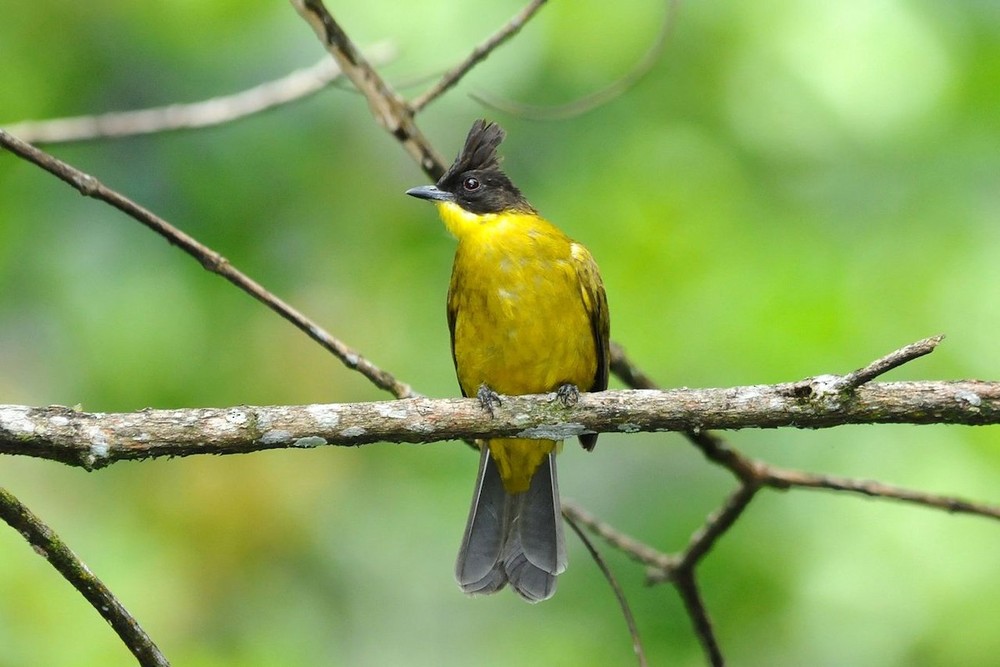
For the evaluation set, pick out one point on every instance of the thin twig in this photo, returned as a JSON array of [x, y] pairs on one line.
[[212, 261], [716, 450], [664, 566], [600, 97], [717, 523], [687, 587], [452, 76], [891, 361], [631, 547], [786, 479], [633, 629], [50, 547], [681, 569], [296, 85]]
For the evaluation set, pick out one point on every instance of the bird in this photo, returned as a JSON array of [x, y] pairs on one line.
[[528, 314]]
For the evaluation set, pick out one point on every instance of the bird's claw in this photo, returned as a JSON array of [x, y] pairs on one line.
[[568, 394], [488, 398]]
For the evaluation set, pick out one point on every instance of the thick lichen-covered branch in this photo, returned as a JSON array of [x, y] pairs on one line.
[[95, 440]]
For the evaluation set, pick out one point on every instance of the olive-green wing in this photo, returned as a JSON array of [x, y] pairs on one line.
[[452, 317], [595, 302]]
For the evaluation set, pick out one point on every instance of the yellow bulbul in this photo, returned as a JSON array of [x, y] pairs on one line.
[[527, 314]]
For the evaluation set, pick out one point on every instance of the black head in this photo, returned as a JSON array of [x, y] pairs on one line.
[[475, 181]]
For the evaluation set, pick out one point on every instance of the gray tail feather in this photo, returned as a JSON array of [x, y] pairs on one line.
[[513, 538]]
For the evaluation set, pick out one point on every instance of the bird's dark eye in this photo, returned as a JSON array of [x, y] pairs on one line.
[[471, 183]]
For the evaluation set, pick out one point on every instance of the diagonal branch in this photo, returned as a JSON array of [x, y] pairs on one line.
[[388, 108], [212, 261], [705, 538], [679, 569], [380, 97], [753, 475], [627, 371], [48, 545], [687, 587]]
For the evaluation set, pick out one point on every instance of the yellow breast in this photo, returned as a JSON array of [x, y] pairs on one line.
[[519, 321]]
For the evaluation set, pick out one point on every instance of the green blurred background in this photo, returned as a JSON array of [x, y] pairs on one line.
[[796, 188]]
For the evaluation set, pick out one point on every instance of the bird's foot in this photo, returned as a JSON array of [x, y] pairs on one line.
[[568, 395], [488, 398]]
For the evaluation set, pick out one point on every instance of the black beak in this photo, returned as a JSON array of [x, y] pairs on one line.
[[430, 192]]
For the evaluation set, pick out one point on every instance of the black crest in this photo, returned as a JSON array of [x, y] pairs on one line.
[[475, 178], [479, 152]]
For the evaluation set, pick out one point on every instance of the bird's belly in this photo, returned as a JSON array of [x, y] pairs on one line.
[[527, 335]]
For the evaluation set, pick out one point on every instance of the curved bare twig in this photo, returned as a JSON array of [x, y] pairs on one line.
[[597, 98], [633, 629]]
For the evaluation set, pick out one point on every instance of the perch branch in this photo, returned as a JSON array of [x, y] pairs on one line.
[[95, 440]]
